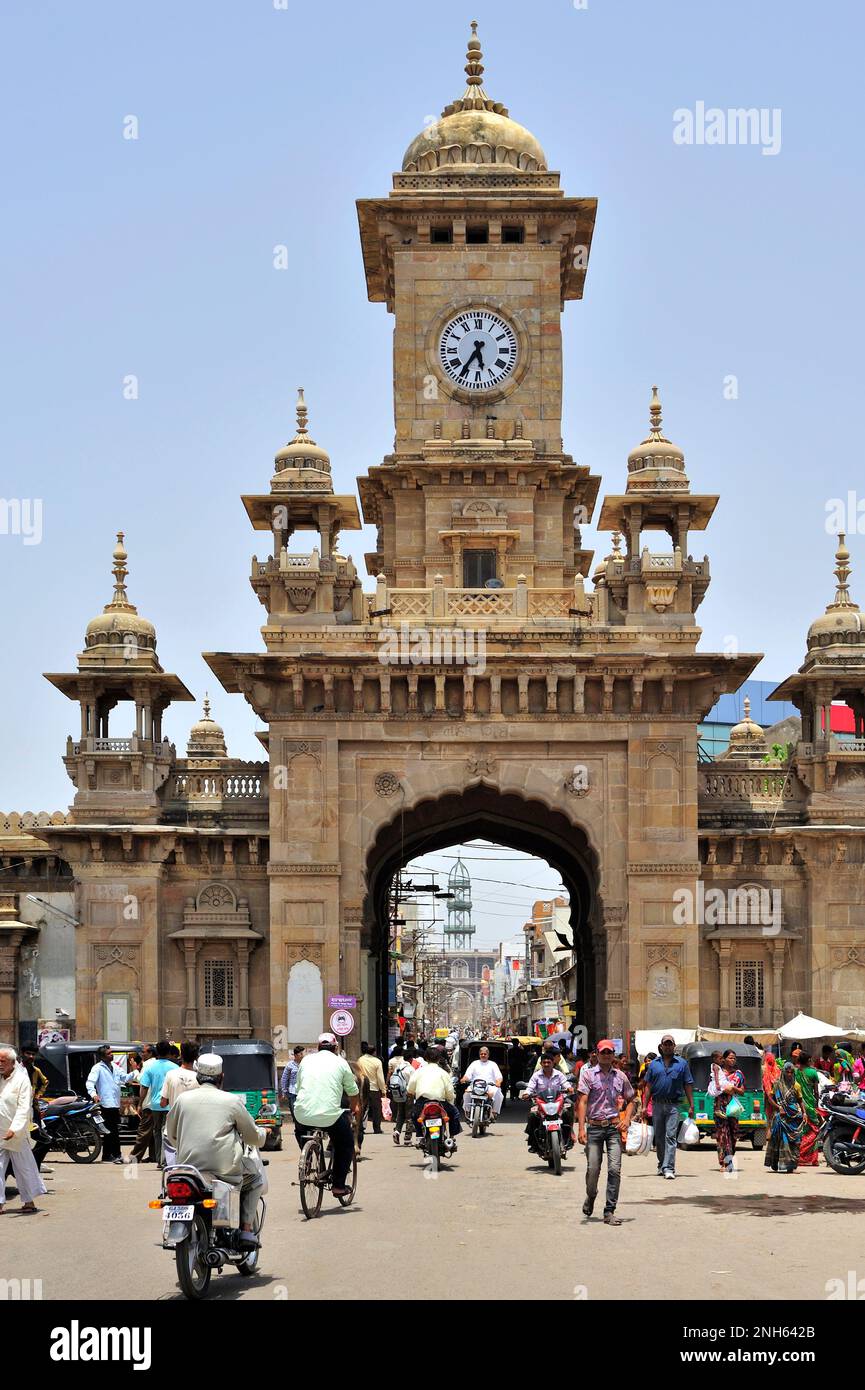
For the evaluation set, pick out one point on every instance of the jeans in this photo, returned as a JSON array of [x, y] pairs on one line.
[[342, 1135], [598, 1138], [159, 1118], [452, 1113], [400, 1116], [665, 1121]]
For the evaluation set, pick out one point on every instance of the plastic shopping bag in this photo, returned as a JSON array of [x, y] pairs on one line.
[[735, 1108], [689, 1134], [640, 1138], [386, 1112]]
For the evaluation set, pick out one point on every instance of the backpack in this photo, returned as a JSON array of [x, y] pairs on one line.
[[399, 1083]]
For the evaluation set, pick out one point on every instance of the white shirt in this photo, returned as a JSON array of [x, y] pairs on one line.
[[429, 1082], [484, 1071], [16, 1109]]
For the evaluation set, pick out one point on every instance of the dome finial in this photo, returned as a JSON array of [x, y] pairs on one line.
[[747, 706], [120, 571], [842, 574], [301, 412], [206, 706], [655, 415], [474, 65]]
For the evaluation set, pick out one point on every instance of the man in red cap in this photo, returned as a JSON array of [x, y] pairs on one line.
[[604, 1107]]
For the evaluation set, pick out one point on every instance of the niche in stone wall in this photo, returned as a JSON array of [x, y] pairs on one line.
[[305, 1002], [663, 988]]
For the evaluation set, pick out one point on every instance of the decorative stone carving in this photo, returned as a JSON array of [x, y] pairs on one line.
[[306, 950], [576, 786], [300, 596], [480, 765], [387, 784]]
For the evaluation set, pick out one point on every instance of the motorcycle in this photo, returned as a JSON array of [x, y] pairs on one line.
[[201, 1224], [480, 1108], [73, 1124], [435, 1140], [842, 1133], [548, 1140]]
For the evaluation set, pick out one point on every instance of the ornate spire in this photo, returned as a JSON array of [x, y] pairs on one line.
[[206, 706], [474, 98], [119, 570], [301, 415], [842, 574], [655, 420]]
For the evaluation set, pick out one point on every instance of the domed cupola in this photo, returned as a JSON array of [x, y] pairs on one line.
[[301, 465], [842, 624], [119, 631], [206, 737], [474, 131]]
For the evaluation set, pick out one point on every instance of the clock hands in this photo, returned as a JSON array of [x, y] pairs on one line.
[[478, 353]]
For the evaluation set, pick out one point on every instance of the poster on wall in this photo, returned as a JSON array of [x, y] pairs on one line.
[[53, 1035]]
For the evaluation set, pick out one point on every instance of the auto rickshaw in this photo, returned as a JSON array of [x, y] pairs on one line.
[[749, 1060], [68, 1065], [250, 1072]]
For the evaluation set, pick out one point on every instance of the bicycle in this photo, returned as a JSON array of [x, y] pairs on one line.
[[315, 1173]]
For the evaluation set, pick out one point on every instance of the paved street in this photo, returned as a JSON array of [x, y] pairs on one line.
[[494, 1221]]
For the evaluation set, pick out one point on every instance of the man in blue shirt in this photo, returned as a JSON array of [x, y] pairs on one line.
[[151, 1080], [103, 1085], [666, 1080]]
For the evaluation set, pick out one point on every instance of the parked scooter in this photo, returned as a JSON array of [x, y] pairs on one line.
[[435, 1141], [479, 1108], [201, 1224], [73, 1124], [842, 1133]]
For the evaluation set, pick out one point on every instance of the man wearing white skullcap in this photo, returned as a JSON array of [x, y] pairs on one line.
[[208, 1128]]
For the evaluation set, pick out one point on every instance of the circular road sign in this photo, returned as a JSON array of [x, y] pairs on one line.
[[342, 1023]]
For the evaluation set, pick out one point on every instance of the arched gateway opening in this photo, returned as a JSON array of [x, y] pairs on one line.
[[505, 819]]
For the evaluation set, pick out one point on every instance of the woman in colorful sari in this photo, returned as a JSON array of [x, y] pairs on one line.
[[771, 1072], [808, 1078], [788, 1123], [731, 1083]]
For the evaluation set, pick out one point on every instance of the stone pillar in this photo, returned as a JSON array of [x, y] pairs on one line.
[[190, 956], [243, 950], [778, 950], [724, 951]]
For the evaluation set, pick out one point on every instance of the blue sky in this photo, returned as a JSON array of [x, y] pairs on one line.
[[261, 126]]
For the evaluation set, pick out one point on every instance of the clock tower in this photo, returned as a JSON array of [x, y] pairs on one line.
[[475, 251]]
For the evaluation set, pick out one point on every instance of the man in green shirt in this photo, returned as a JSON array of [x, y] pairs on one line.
[[322, 1078]]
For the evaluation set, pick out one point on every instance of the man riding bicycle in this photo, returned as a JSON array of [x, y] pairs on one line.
[[322, 1077]]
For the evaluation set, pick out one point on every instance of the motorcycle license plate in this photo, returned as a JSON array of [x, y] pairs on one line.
[[552, 1124], [177, 1214], [434, 1127]]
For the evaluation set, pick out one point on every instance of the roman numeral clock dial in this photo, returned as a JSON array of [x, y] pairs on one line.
[[478, 350]]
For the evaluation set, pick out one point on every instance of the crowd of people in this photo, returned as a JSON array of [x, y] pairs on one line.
[[606, 1092]]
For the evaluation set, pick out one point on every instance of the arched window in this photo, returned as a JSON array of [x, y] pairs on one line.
[[460, 970]]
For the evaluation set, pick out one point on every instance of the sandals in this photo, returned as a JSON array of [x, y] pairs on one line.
[[611, 1219]]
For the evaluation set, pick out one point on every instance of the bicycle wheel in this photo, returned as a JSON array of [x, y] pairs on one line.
[[351, 1182], [311, 1178]]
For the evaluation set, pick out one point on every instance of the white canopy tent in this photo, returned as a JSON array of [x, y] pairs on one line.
[[803, 1026]]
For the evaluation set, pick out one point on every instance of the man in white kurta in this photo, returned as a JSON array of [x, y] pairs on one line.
[[16, 1114], [483, 1070]]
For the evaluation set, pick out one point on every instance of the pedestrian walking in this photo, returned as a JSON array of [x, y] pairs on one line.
[[16, 1113], [144, 1148], [39, 1083], [151, 1081], [788, 1123], [370, 1068], [727, 1081], [103, 1087], [605, 1103], [399, 1070], [288, 1080], [808, 1078], [666, 1081]]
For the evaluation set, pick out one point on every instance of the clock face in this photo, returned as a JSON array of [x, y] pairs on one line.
[[478, 350]]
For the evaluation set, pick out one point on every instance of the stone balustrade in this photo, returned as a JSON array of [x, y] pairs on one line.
[[92, 745], [21, 822], [238, 782], [459, 605]]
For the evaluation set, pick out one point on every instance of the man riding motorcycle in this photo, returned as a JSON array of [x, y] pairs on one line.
[[208, 1128], [550, 1082], [483, 1070], [432, 1082]]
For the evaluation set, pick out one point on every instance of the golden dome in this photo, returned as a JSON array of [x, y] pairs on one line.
[[206, 737], [301, 453], [842, 623], [656, 458], [120, 619], [474, 131], [747, 732]]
